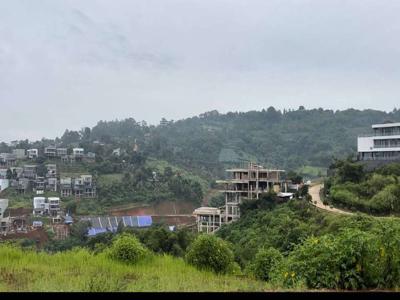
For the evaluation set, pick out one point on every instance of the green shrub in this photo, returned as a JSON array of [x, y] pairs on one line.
[[128, 249], [264, 262], [211, 253]]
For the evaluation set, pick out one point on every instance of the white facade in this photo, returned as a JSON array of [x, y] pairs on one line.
[[78, 151], [33, 153], [3, 207], [40, 206], [382, 144], [4, 183]]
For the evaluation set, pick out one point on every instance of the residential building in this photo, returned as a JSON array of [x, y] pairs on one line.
[[4, 183], [66, 187], [3, 207], [3, 173], [4, 221], [30, 171], [248, 182], [40, 207], [21, 185], [51, 170], [50, 152], [7, 160], [54, 206], [32, 153], [19, 153], [382, 144], [62, 152], [51, 184], [39, 184], [78, 152]]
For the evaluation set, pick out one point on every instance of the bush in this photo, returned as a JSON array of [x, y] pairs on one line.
[[264, 262], [210, 253], [128, 249]]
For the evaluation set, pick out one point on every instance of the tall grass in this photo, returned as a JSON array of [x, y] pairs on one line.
[[80, 270]]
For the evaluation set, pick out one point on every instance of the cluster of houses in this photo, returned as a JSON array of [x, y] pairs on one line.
[[51, 152], [25, 179]]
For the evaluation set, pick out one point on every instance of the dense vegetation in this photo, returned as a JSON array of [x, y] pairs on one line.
[[295, 245], [352, 187]]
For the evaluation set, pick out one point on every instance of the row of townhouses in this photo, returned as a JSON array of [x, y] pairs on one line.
[[26, 179], [52, 152]]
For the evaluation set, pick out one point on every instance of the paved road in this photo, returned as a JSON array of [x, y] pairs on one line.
[[314, 192]]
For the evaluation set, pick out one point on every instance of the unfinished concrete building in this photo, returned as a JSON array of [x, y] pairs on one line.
[[243, 183]]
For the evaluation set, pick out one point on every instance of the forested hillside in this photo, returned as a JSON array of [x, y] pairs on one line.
[[288, 139]]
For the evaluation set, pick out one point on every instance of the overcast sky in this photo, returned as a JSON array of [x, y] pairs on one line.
[[70, 63]]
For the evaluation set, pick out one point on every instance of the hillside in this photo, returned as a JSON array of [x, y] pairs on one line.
[[80, 270], [290, 139]]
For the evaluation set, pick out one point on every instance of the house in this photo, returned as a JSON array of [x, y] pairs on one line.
[[51, 184], [19, 153], [3, 173], [66, 187], [7, 159], [54, 206], [30, 171], [50, 151], [21, 185], [248, 182], [68, 159], [40, 207], [39, 185], [32, 153], [83, 186], [382, 144], [4, 183], [78, 152], [51, 170], [4, 221], [62, 152]]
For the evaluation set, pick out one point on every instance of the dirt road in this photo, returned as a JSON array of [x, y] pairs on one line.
[[314, 192]]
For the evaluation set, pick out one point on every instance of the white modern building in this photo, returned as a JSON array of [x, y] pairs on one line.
[[382, 144], [40, 207], [33, 153], [78, 152]]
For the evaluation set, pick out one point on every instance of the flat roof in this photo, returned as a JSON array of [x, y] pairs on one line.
[[386, 125], [206, 210]]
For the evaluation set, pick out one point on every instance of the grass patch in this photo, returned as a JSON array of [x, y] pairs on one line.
[[80, 270]]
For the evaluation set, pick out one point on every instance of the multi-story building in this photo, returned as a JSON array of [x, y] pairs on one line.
[[30, 171], [54, 206], [39, 184], [50, 151], [382, 144], [51, 170], [51, 184], [78, 153], [4, 221], [40, 206], [243, 183], [19, 153], [62, 152], [66, 187], [32, 153], [7, 159]]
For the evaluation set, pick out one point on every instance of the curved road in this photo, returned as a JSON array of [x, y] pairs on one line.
[[314, 192]]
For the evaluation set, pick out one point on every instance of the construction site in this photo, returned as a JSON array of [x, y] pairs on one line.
[[247, 182]]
